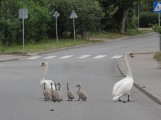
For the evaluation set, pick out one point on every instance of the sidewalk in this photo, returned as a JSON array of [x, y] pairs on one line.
[[146, 74], [10, 57]]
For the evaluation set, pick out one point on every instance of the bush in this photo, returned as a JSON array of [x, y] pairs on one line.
[[148, 19], [157, 56], [157, 28]]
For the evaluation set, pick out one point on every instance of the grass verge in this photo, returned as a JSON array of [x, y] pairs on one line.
[[157, 56], [44, 46], [52, 44]]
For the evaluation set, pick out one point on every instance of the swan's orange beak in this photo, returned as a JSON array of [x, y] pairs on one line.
[[132, 55]]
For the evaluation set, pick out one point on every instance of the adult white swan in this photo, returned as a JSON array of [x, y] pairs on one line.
[[47, 82], [124, 86]]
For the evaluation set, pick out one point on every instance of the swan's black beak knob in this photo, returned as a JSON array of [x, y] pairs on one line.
[[42, 64], [132, 55]]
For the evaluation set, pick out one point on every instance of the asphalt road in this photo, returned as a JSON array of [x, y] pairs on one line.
[[21, 97]]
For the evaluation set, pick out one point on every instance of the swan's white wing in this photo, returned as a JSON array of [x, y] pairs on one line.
[[48, 84], [116, 86], [123, 88]]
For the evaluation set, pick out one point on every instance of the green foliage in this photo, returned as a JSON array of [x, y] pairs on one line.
[[8, 21], [148, 19], [89, 15], [44, 45], [157, 28], [157, 56], [40, 23], [36, 25], [118, 8]]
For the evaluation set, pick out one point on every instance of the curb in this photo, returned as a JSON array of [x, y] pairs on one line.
[[9, 60], [143, 89], [14, 59]]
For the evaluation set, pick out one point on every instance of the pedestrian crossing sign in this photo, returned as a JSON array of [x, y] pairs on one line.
[[157, 6]]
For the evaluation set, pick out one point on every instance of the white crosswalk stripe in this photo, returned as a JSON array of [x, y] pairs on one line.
[[49, 57], [66, 56], [33, 57], [69, 56], [100, 56], [116, 57], [84, 56]]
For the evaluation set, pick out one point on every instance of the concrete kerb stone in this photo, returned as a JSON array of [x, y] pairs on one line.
[[14, 59], [11, 57], [122, 69]]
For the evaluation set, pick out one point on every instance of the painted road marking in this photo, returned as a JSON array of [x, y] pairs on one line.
[[84, 56], [100, 56], [66, 56]]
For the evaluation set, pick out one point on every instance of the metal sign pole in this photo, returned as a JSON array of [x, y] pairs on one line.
[[73, 16], [157, 9], [56, 30], [159, 19], [23, 14], [74, 29], [138, 14], [23, 29]]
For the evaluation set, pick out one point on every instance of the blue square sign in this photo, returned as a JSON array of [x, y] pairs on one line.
[[157, 7]]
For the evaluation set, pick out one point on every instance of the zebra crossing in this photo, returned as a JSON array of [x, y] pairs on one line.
[[74, 56]]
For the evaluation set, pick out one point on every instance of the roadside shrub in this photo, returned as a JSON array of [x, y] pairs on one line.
[[148, 19], [157, 28]]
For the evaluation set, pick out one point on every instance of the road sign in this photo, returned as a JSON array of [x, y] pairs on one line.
[[23, 13], [73, 15], [157, 7], [56, 14]]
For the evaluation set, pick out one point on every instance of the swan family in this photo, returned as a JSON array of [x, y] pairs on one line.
[[51, 92], [120, 88]]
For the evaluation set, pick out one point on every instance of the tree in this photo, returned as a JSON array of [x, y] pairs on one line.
[[9, 23], [89, 14], [120, 9]]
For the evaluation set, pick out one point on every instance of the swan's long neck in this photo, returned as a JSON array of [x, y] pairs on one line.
[[79, 88], [67, 86], [55, 86], [51, 86], [45, 70], [44, 86], [129, 73], [59, 87]]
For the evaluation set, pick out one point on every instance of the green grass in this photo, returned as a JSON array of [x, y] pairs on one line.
[[115, 34], [45, 45], [107, 35], [52, 44], [157, 56]]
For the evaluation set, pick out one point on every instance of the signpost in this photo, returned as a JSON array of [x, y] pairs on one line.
[[56, 15], [157, 9], [23, 14], [73, 16]]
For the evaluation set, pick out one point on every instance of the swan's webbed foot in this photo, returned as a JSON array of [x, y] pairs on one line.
[[123, 101], [119, 99]]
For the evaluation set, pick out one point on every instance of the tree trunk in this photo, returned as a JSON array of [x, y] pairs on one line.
[[123, 21]]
